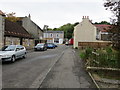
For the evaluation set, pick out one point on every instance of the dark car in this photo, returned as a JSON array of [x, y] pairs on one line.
[[55, 44], [40, 47], [50, 45]]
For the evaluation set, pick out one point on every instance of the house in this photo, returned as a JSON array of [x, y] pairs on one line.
[[31, 27], [13, 33], [54, 36], [102, 32], [94, 35], [84, 32]]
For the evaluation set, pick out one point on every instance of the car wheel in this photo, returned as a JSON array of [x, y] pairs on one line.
[[13, 59], [25, 55]]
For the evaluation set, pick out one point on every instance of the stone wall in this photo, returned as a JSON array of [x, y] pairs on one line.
[[28, 43], [1, 31]]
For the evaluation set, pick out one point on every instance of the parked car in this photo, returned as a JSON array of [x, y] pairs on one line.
[[12, 52], [40, 46], [55, 44], [50, 45]]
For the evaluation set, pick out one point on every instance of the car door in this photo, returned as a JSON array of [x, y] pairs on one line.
[[22, 51], [18, 51]]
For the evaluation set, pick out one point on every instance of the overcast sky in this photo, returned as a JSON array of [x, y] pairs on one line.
[[56, 13]]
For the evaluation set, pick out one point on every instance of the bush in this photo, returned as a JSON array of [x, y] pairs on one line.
[[88, 52], [83, 55]]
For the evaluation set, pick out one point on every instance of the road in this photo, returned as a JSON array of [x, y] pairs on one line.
[[54, 68]]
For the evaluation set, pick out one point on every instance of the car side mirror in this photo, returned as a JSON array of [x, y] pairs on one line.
[[17, 49]]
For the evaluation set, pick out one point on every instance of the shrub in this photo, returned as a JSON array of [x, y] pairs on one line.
[[83, 55], [88, 52]]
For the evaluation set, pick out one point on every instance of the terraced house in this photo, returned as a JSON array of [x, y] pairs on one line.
[[54, 36]]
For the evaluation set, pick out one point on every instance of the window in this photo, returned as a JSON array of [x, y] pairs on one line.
[[51, 35], [57, 35], [56, 40]]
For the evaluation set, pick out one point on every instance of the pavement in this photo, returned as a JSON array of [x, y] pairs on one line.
[[68, 72]]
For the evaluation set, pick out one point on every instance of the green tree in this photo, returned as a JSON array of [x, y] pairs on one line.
[[67, 28], [102, 22]]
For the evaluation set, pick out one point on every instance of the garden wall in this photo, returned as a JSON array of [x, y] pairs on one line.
[[94, 44]]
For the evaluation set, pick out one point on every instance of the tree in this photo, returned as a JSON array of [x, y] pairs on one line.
[[12, 17], [102, 22], [114, 6], [68, 29]]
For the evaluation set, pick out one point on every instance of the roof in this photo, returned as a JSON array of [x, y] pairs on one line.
[[14, 29], [20, 19], [54, 32], [103, 27], [1, 13]]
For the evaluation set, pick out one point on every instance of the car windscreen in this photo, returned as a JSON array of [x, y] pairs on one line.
[[50, 44], [40, 45], [9, 48]]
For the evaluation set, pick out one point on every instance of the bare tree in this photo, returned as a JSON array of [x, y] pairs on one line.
[[114, 6]]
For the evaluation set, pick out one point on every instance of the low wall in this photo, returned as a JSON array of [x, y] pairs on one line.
[[93, 44]]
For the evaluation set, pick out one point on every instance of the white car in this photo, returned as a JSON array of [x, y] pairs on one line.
[[12, 52]]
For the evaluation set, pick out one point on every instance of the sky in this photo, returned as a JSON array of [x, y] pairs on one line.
[[56, 13]]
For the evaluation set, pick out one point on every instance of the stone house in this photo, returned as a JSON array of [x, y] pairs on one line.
[[13, 33], [31, 27], [54, 36]]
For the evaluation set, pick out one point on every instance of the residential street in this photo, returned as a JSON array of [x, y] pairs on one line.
[[54, 68]]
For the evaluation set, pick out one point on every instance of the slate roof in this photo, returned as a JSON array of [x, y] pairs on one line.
[[20, 20], [54, 32], [14, 29]]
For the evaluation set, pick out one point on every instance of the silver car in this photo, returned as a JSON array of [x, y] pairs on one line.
[[12, 52]]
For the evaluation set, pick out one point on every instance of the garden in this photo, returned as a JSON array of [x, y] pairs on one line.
[[102, 63]]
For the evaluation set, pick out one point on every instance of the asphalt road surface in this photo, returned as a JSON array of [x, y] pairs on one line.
[[54, 68]]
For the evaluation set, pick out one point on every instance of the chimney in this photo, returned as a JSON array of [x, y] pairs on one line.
[[29, 16], [87, 17], [83, 17]]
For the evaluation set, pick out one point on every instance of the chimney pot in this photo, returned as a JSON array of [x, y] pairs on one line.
[[83, 17]]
